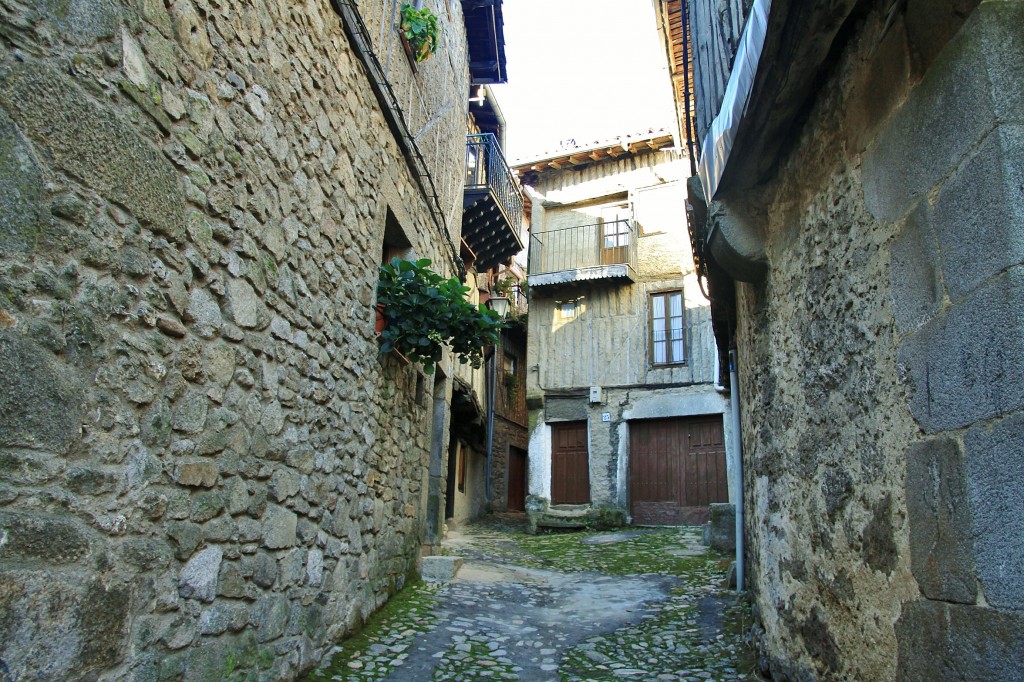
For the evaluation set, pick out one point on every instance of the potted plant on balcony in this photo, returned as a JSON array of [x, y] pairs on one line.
[[419, 31], [511, 382], [423, 311]]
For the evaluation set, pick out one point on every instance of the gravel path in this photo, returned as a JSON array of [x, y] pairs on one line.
[[634, 605]]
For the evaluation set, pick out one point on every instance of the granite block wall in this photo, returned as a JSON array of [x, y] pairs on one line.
[[207, 471], [881, 406]]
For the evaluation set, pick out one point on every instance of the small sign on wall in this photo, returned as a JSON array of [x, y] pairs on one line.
[[606, 416]]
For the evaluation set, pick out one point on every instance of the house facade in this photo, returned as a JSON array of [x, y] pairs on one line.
[[625, 417], [509, 459], [210, 472], [858, 219]]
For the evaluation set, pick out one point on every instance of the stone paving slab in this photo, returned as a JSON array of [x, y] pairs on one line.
[[557, 609]]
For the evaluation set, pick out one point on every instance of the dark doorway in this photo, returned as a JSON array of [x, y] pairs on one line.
[[453, 466], [676, 469], [570, 463], [516, 479]]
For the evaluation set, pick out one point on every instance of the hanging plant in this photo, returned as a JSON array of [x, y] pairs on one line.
[[511, 386], [423, 311], [419, 27]]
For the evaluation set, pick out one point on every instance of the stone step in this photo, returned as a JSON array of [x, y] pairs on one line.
[[439, 569]]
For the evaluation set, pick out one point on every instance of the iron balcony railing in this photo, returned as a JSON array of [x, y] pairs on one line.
[[589, 248], [486, 170]]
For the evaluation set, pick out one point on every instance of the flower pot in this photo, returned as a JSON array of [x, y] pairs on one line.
[[381, 321], [408, 50]]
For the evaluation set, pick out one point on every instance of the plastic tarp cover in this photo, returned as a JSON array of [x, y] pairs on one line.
[[720, 138]]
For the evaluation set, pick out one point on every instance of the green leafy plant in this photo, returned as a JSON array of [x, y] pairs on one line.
[[503, 286], [419, 26], [423, 311], [511, 382]]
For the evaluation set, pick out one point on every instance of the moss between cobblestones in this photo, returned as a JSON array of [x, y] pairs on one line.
[[670, 645], [649, 552], [360, 657], [474, 660], [696, 634]]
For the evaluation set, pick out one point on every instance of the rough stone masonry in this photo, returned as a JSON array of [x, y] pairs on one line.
[[206, 470]]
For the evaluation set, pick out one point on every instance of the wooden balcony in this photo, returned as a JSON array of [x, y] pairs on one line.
[[601, 251], [492, 204]]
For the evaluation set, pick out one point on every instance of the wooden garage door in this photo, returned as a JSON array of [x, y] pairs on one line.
[[676, 469], [570, 463]]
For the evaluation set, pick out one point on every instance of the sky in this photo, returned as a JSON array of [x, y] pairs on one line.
[[587, 70]]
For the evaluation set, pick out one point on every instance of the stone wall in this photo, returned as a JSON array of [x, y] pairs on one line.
[[881, 407], [208, 472], [506, 434]]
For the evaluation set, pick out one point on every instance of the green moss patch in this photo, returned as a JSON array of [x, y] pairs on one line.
[[407, 615], [659, 551], [475, 659]]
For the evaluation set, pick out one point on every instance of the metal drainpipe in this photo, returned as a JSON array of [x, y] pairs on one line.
[[492, 382], [737, 450]]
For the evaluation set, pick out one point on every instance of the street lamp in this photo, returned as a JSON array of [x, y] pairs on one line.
[[499, 304]]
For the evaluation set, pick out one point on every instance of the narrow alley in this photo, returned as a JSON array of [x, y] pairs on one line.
[[641, 604]]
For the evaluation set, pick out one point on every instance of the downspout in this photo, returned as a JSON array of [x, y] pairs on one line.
[[362, 43], [492, 382], [690, 134], [737, 460]]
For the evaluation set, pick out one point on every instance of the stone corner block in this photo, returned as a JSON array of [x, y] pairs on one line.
[[940, 641], [914, 267], [995, 479], [941, 555], [722, 527], [963, 365], [979, 215]]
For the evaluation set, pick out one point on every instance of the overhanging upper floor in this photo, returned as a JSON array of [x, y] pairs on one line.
[[492, 203], [600, 251]]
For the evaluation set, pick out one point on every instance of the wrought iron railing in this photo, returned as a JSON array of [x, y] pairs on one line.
[[520, 304], [606, 243], [486, 169]]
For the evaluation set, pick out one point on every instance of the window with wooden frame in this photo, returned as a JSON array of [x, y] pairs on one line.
[[460, 467], [615, 234], [666, 328]]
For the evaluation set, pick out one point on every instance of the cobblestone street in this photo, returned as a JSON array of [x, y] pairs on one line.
[[641, 604]]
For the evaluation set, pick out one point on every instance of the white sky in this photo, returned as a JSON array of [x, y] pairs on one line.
[[582, 69]]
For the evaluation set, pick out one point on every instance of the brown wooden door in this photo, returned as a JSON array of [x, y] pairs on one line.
[[676, 469], [516, 479], [570, 463]]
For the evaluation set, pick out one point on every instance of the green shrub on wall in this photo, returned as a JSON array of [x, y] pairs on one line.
[[419, 26], [423, 311]]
